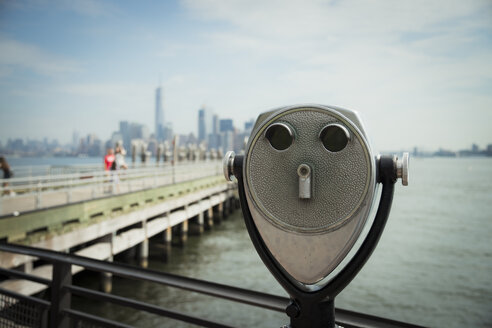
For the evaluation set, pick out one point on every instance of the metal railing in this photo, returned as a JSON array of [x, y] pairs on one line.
[[53, 190], [38, 170], [47, 182], [56, 311], [22, 171], [61, 290]]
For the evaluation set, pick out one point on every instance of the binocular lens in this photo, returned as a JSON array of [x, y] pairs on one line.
[[280, 136], [334, 137]]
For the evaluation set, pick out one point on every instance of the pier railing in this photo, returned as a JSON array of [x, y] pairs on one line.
[[31, 193], [56, 309]]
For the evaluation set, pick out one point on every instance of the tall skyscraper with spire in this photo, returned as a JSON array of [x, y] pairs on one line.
[[159, 115]]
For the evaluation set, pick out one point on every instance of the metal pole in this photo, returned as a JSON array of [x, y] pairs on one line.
[[69, 191], [60, 296], [38, 195]]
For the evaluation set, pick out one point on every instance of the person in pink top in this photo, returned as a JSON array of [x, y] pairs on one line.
[[109, 159]]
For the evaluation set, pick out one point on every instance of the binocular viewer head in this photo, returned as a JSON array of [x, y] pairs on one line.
[[309, 178]]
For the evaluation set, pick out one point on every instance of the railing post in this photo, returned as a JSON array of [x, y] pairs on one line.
[[93, 191], [60, 297], [38, 195], [69, 191], [113, 178]]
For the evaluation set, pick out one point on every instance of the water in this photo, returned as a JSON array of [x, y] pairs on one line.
[[433, 265]]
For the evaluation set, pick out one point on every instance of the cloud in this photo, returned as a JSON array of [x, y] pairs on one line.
[[419, 59], [16, 54], [298, 18]]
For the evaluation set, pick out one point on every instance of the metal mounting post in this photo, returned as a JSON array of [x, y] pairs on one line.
[[60, 296], [316, 309]]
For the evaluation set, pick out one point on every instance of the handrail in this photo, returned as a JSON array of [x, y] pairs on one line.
[[272, 302], [96, 177], [98, 321], [344, 318], [38, 301], [143, 306], [98, 184], [200, 286], [22, 275], [101, 171], [47, 169]]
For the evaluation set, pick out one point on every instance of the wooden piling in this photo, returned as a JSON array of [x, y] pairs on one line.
[[197, 224]]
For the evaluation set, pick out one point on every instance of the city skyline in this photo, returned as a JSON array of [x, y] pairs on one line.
[[222, 134], [419, 74]]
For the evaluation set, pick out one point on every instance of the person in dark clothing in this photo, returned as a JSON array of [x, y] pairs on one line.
[[7, 174]]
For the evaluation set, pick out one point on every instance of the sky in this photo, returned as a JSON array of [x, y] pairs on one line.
[[418, 72]]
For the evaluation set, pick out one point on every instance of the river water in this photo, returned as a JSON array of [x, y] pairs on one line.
[[433, 265]]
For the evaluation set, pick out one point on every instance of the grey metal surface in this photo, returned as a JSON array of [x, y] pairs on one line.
[[304, 172], [402, 168], [341, 180], [227, 165], [309, 237]]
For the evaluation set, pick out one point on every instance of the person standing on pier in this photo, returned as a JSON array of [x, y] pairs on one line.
[[110, 166], [109, 159], [120, 157], [7, 174]]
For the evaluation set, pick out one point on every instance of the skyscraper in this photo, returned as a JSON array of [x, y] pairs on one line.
[[214, 136], [204, 124], [226, 125], [202, 130], [159, 115]]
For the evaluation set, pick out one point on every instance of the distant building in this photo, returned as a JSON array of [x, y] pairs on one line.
[[116, 137], [248, 126], [159, 115], [75, 139], [227, 141], [214, 136], [168, 131], [152, 146], [226, 125], [125, 134], [205, 124], [139, 131], [130, 131]]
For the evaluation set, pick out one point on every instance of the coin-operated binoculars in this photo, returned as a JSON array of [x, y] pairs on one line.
[[307, 182]]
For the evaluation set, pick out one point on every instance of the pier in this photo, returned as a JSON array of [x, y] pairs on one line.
[[99, 214]]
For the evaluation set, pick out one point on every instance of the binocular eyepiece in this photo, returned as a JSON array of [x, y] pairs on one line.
[[307, 183]]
